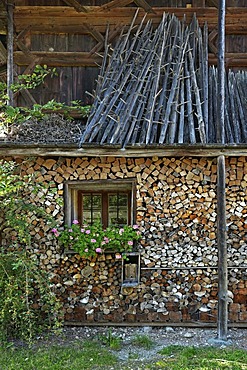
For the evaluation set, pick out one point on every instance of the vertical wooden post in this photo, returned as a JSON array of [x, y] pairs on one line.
[[10, 50], [221, 197], [221, 73], [222, 251]]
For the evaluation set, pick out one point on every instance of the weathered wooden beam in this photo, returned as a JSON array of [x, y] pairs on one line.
[[221, 73], [10, 48], [9, 149], [222, 250], [236, 60], [115, 4], [78, 7], [89, 59], [57, 59], [213, 3], [143, 4], [221, 181], [3, 54], [94, 32], [66, 19], [211, 39]]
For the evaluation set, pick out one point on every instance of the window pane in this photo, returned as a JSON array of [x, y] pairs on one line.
[[92, 208], [118, 209]]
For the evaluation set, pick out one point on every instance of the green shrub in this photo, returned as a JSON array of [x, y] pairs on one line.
[[27, 304]]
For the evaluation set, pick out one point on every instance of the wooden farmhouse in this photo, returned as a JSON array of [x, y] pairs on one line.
[[148, 153]]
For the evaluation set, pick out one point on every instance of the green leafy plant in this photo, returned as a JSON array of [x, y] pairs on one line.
[[110, 340], [10, 114], [142, 341], [27, 303], [15, 206], [89, 240]]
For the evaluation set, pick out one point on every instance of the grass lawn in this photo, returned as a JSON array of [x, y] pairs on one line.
[[93, 355], [86, 355]]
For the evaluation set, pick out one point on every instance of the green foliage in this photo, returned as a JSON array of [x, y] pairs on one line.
[[10, 115], [88, 240], [110, 340], [142, 341], [27, 303], [15, 206], [30, 81]]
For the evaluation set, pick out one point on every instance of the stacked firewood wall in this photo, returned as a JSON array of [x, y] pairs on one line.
[[176, 210]]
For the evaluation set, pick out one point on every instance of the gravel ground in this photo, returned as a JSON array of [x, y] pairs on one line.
[[160, 336]]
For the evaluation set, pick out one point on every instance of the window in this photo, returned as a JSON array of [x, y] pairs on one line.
[[111, 202]]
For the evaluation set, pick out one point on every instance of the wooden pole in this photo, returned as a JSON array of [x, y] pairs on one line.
[[221, 73], [221, 182], [222, 251], [10, 50]]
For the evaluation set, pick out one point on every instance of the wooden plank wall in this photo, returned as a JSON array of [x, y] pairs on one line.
[[69, 35]]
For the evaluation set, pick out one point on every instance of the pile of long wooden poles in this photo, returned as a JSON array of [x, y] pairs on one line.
[[156, 88]]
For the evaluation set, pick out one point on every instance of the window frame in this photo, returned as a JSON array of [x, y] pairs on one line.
[[73, 188]]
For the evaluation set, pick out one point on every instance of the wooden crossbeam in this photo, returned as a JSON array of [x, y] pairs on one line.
[[111, 36], [213, 3], [67, 20], [21, 35], [59, 59], [211, 38], [3, 54], [115, 4], [94, 32], [143, 4], [88, 59], [77, 6], [232, 60]]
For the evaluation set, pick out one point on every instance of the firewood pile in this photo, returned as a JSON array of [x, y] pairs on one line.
[[155, 87]]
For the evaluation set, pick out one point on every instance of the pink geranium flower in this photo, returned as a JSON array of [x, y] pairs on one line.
[[75, 222], [130, 242], [135, 227], [88, 231], [93, 241], [98, 250]]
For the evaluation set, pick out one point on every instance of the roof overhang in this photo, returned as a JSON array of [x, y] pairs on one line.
[[93, 150]]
